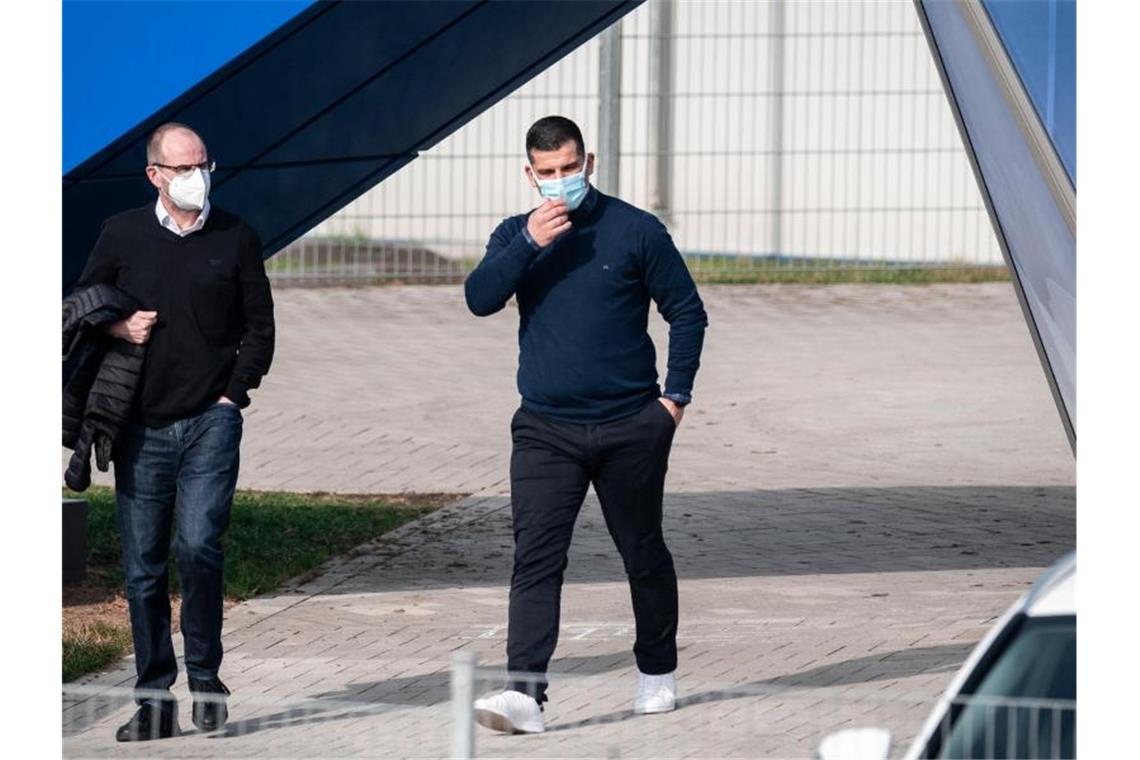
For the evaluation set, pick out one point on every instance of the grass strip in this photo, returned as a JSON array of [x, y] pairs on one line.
[[272, 537]]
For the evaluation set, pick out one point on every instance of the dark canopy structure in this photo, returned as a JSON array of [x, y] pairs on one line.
[[330, 103], [1009, 71]]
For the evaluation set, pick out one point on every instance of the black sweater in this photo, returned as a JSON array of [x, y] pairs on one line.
[[585, 354], [214, 335]]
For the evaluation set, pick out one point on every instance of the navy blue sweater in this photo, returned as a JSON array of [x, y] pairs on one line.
[[585, 354]]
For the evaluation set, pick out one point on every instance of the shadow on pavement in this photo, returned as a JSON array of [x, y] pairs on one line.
[[718, 535], [860, 670], [396, 693], [750, 534], [369, 699]]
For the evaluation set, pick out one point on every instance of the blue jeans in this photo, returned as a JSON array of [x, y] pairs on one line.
[[193, 464]]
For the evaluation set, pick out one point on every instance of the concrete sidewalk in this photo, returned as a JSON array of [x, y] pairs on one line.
[[869, 475]]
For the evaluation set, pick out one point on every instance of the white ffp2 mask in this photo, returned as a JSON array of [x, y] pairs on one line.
[[189, 191]]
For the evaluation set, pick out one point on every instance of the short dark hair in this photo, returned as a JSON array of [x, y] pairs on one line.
[[154, 144], [551, 133]]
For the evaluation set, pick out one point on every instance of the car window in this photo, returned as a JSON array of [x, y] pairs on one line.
[[1024, 705]]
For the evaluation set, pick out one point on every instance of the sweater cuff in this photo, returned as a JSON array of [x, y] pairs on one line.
[[237, 392], [679, 383], [529, 239]]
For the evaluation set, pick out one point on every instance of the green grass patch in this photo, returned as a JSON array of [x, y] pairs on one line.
[[723, 270], [272, 538], [92, 647], [748, 270], [745, 271], [276, 536], [894, 276]]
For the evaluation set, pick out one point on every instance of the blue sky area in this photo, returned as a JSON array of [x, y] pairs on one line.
[[122, 61]]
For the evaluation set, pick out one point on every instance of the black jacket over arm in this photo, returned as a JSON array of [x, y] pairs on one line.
[[101, 376]]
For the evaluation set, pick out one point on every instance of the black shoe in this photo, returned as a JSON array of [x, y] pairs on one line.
[[150, 721], [210, 712]]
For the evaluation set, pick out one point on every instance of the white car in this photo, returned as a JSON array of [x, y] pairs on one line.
[[1015, 696]]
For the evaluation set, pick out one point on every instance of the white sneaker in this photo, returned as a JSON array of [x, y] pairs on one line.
[[655, 694], [512, 712]]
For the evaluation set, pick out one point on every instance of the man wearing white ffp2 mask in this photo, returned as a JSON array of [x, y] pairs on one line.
[[206, 319]]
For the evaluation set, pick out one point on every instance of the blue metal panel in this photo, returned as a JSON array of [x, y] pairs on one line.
[[1041, 39], [1029, 208], [328, 105]]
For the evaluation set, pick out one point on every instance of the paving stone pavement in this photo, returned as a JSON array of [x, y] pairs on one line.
[[869, 476]]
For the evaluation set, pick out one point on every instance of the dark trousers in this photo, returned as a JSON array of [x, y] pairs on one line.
[[180, 476], [552, 465]]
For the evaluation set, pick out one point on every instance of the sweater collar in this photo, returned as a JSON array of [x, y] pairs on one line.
[[586, 207]]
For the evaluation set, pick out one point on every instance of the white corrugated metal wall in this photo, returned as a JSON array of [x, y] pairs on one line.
[[872, 170]]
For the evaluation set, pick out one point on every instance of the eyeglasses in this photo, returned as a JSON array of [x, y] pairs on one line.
[[207, 166]]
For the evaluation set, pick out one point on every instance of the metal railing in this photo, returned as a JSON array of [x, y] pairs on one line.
[[981, 726], [588, 718], [974, 727], [261, 724], [774, 138]]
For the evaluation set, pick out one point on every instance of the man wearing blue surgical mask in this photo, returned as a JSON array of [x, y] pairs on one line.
[[583, 267]]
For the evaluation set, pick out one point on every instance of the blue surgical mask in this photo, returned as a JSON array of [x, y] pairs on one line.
[[572, 188]]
